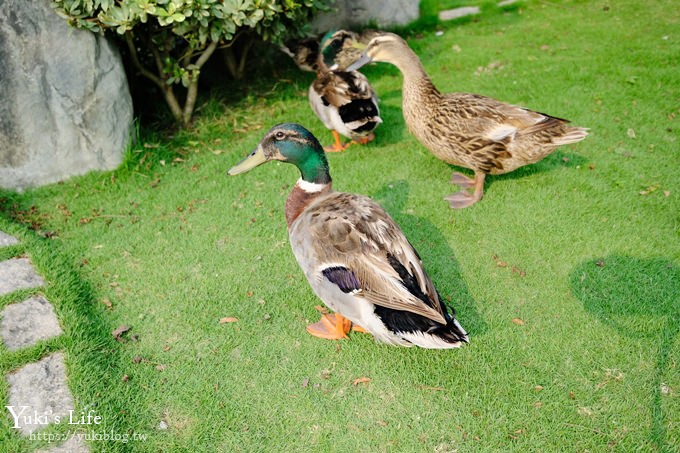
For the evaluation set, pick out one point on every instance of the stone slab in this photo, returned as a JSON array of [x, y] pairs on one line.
[[455, 13], [25, 323], [6, 239], [74, 444], [16, 274], [38, 393]]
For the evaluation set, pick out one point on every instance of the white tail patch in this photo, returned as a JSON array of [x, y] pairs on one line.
[[457, 324], [573, 135], [426, 340], [501, 132]]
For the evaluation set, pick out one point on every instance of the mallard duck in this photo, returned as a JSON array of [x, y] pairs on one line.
[[304, 52], [342, 51], [344, 101], [341, 47], [355, 257], [468, 130]]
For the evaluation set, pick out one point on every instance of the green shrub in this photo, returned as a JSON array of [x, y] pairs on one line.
[[171, 40]]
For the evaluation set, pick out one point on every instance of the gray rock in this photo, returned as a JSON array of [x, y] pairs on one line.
[[65, 106], [38, 394], [16, 274], [353, 13], [26, 323], [455, 13], [6, 239], [75, 444]]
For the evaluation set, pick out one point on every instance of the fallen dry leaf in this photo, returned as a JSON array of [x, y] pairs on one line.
[[572, 395], [228, 319], [107, 303], [361, 380], [119, 332], [125, 378], [305, 382], [161, 367], [518, 321], [519, 271], [631, 133], [137, 359], [585, 411], [649, 189], [538, 388], [538, 404]]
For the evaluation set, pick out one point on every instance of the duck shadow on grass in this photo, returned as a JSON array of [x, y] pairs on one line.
[[438, 258], [639, 299], [560, 158]]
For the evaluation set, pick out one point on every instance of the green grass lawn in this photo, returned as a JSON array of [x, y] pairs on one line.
[[566, 274]]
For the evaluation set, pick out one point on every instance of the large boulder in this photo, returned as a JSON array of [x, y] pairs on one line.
[[356, 13], [65, 106]]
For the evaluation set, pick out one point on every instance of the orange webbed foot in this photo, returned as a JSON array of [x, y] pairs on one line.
[[364, 140], [331, 327], [337, 146]]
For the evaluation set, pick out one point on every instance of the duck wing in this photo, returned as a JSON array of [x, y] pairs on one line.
[[339, 88], [358, 247], [495, 120]]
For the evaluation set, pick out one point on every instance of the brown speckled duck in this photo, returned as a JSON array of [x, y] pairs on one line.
[[343, 100], [355, 257], [468, 130], [305, 51]]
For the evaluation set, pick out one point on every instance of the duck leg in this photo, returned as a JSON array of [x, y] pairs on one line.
[[363, 140], [337, 146], [462, 181], [464, 198], [331, 327]]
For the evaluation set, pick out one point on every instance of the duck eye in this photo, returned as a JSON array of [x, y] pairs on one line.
[[279, 135]]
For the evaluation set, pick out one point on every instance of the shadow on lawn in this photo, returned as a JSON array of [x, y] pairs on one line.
[[561, 158], [95, 360], [638, 298], [441, 265]]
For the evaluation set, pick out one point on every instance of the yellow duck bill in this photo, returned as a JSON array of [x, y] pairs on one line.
[[252, 160]]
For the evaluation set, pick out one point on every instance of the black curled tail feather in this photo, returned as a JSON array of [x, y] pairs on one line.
[[359, 110], [454, 331]]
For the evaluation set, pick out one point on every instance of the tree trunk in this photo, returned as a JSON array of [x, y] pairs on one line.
[[192, 89], [181, 114], [235, 62], [230, 61]]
